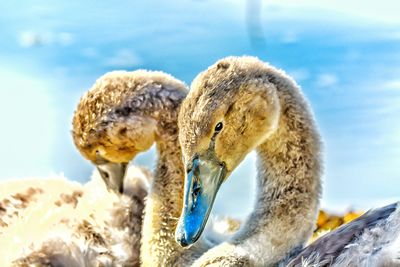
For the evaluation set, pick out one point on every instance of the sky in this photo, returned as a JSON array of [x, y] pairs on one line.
[[345, 56]]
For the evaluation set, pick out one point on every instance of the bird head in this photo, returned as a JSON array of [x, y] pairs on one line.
[[230, 110], [118, 118]]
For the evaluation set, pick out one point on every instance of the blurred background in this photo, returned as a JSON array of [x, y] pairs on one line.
[[344, 54]]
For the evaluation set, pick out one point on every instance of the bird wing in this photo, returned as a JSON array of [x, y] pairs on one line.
[[325, 250]]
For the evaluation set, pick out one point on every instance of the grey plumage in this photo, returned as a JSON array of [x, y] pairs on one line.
[[327, 250]]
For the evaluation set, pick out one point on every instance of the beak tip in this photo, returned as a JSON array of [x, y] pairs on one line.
[[181, 241], [180, 238], [186, 235]]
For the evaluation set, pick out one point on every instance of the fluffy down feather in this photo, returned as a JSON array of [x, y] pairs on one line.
[[57, 222]]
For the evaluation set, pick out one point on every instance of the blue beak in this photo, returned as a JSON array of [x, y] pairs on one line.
[[201, 186], [113, 175]]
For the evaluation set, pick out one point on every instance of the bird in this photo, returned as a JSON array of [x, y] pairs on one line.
[[124, 114], [59, 222], [241, 104], [96, 126]]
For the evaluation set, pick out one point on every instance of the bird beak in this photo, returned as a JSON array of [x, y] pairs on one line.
[[113, 175], [201, 186]]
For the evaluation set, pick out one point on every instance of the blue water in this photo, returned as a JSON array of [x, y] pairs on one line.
[[347, 65]]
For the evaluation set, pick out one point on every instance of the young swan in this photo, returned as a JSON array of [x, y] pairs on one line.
[[237, 105], [122, 115], [241, 104]]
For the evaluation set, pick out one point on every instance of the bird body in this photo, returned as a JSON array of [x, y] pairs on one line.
[[370, 240], [113, 121], [63, 223], [264, 110], [241, 104]]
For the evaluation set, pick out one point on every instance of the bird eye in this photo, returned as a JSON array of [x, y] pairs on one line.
[[218, 127]]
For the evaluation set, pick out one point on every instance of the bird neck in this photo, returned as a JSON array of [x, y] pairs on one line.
[[288, 184], [164, 205]]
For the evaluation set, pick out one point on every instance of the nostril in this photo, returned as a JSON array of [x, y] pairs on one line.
[[195, 193], [196, 188]]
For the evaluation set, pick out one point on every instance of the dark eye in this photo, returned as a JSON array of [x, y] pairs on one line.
[[218, 127]]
